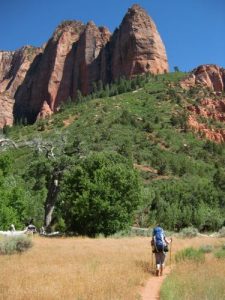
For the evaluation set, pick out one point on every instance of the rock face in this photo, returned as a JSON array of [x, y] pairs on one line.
[[51, 78], [13, 70], [6, 58], [207, 116], [34, 81], [209, 76], [87, 63], [45, 111], [137, 47], [208, 109]]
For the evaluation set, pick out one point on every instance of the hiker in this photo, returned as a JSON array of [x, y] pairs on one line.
[[159, 244]]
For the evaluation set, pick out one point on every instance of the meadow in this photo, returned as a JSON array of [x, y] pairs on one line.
[[84, 268], [197, 276]]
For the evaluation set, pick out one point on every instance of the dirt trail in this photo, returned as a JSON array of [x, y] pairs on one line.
[[152, 288]]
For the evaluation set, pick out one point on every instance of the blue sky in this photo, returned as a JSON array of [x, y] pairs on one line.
[[193, 30]]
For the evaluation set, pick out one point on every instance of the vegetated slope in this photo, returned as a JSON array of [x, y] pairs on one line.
[[182, 173]]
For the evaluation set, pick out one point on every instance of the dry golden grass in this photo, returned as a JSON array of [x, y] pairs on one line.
[[76, 268], [81, 268], [191, 281]]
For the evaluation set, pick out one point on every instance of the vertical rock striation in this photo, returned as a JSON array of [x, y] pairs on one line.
[[87, 60], [51, 79], [14, 69]]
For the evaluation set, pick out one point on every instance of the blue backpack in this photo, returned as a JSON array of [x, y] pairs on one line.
[[158, 240]]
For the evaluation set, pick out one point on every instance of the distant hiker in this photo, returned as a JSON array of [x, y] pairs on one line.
[[159, 244]]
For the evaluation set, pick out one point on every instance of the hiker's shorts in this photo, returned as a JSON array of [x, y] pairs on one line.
[[160, 258]]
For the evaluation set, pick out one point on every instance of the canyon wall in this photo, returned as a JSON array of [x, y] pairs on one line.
[[34, 81]]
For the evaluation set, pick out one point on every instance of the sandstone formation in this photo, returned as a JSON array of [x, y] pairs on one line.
[[45, 111], [5, 63], [87, 61], [13, 70], [34, 81], [207, 109], [137, 47], [211, 108], [51, 77], [215, 135], [209, 76]]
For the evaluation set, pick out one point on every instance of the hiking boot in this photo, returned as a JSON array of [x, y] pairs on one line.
[[157, 272], [161, 272]]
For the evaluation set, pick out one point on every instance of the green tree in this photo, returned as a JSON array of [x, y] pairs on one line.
[[48, 174], [100, 195], [5, 163], [176, 69]]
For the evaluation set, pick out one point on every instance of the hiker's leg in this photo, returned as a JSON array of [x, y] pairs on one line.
[[157, 262], [162, 262]]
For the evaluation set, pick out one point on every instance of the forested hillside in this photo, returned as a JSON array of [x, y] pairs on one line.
[[124, 155]]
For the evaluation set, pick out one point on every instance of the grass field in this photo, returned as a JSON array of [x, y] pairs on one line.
[[76, 268], [191, 280], [83, 268]]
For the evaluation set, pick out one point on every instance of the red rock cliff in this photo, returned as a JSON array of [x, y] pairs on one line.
[[14, 67], [137, 46], [87, 60], [51, 79], [36, 81], [6, 58], [209, 76]]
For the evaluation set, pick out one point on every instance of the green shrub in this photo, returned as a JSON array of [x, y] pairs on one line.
[[190, 254], [220, 254], [136, 231], [17, 244], [189, 232], [222, 232], [206, 248]]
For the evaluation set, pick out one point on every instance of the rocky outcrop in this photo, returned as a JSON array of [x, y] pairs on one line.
[[205, 110], [137, 47], [14, 69], [45, 111], [6, 111], [209, 76], [6, 58], [215, 135], [88, 65], [36, 81]]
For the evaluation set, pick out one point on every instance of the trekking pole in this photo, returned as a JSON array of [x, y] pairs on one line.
[[152, 260], [171, 252]]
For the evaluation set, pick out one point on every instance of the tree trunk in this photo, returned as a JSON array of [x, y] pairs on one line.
[[51, 200]]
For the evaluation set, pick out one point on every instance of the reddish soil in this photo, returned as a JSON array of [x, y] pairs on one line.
[[152, 288], [145, 168], [69, 121]]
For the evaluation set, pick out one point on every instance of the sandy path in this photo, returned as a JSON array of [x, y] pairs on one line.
[[152, 288]]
